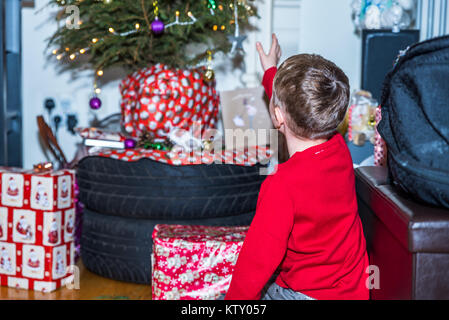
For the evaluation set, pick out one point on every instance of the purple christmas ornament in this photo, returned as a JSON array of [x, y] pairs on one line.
[[95, 103], [157, 26], [130, 144]]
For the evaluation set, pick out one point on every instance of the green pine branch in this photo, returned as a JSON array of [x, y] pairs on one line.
[[142, 48]]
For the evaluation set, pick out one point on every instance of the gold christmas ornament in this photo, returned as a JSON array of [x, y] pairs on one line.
[[372, 121], [209, 75], [208, 145]]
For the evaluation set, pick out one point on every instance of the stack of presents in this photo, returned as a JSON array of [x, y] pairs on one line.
[[38, 209], [37, 225]]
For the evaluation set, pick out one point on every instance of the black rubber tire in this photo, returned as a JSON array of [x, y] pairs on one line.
[[120, 248], [149, 189]]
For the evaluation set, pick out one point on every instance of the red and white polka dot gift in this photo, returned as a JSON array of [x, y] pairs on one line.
[[158, 98], [194, 262], [37, 227], [248, 157]]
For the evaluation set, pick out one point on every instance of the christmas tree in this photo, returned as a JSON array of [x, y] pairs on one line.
[[132, 34]]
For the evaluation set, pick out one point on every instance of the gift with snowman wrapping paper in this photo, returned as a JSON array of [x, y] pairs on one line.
[[37, 226], [194, 262]]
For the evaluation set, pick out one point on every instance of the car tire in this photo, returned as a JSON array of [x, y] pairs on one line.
[[120, 248], [148, 189]]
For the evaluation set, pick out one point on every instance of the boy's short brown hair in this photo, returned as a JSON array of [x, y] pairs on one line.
[[314, 92]]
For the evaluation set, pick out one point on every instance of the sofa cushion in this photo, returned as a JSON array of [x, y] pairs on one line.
[[418, 227], [374, 176]]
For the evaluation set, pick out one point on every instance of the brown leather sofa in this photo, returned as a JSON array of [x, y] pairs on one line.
[[406, 240]]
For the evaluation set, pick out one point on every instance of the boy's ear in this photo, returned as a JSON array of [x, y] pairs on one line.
[[279, 115], [272, 108]]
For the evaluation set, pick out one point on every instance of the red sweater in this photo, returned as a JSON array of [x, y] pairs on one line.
[[307, 225]]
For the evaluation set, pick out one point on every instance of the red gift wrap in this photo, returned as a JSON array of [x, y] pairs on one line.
[[248, 157], [194, 262], [380, 147], [158, 98], [37, 226]]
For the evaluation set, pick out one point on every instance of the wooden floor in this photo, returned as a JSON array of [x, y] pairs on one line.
[[92, 287]]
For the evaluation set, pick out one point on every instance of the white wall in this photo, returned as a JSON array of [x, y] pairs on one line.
[[318, 26], [42, 80], [326, 28], [287, 25]]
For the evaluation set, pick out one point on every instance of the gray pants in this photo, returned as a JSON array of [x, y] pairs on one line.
[[276, 292]]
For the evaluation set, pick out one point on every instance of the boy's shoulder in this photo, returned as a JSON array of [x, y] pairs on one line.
[[307, 163], [284, 174]]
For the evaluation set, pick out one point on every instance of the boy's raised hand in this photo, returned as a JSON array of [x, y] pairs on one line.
[[274, 55]]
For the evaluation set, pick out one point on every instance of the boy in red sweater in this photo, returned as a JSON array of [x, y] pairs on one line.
[[306, 224]]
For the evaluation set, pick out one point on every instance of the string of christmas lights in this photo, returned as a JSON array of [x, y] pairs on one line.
[[177, 22], [158, 27]]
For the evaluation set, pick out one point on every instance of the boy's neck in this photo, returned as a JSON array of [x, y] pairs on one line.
[[295, 144]]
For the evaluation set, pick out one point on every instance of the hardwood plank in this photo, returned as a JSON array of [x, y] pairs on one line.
[[92, 287]]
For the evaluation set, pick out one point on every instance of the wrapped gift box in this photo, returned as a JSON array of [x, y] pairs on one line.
[[194, 262], [380, 147], [248, 157], [159, 98], [37, 225]]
